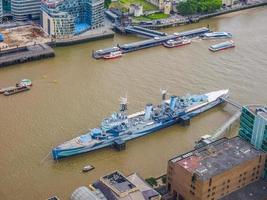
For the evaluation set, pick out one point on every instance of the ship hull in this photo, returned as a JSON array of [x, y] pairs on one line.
[[62, 153]]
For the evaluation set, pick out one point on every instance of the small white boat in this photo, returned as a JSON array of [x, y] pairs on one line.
[[88, 168], [177, 43], [216, 35], [222, 46], [112, 55]]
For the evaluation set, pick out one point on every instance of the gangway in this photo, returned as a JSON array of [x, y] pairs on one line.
[[150, 31], [232, 102]]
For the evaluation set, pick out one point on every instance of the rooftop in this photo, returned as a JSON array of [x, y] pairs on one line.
[[217, 157], [254, 191], [116, 186]]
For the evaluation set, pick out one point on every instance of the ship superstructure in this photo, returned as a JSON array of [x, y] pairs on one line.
[[125, 127]]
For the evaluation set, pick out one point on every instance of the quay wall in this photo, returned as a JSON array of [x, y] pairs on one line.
[[25, 54]]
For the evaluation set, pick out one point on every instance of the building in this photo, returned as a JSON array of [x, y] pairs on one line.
[[23, 10], [253, 127], [65, 18], [157, 3], [136, 10], [6, 6], [1, 11], [116, 186], [254, 191], [215, 170], [167, 7]]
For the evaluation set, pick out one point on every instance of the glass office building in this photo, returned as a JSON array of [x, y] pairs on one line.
[[63, 18]]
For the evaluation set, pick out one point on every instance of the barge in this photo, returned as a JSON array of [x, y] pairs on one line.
[[16, 90], [124, 127], [222, 46]]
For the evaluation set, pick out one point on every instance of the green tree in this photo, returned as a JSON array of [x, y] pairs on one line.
[[107, 3]]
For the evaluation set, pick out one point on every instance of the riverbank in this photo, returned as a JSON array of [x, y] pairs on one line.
[[182, 20]]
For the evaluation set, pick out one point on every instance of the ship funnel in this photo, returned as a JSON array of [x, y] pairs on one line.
[[173, 100], [148, 111], [123, 103]]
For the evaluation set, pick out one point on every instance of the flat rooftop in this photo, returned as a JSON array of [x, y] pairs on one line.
[[217, 157], [254, 191], [118, 181]]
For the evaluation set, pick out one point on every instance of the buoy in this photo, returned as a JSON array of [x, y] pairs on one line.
[[44, 76], [55, 81]]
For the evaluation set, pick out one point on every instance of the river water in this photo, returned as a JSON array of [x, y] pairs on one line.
[[73, 92]]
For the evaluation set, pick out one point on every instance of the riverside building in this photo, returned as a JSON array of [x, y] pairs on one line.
[[23, 10], [215, 170], [65, 18], [253, 128]]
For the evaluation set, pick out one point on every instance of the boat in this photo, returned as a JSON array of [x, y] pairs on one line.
[[24, 82], [88, 168], [216, 35], [16, 90], [176, 43], [222, 46], [2, 90], [112, 55], [121, 126]]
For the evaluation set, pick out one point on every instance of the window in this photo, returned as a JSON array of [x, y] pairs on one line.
[[239, 180], [228, 181], [253, 174], [192, 192], [214, 188], [209, 190], [258, 172], [208, 196], [213, 193], [210, 182], [241, 175], [254, 168], [260, 159], [227, 186]]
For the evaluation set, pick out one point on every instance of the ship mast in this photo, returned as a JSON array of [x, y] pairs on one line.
[[163, 98], [123, 104]]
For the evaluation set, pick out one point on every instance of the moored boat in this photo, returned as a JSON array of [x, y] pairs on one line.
[[216, 35], [18, 87], [112, 55], [127, 127], [222, 46], [177, 43]]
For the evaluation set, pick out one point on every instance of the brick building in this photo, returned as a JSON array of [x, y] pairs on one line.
[[214, 171]]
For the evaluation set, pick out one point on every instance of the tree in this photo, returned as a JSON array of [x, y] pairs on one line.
[[107, 3]]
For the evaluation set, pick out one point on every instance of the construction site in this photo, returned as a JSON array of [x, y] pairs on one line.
[[22, 36]]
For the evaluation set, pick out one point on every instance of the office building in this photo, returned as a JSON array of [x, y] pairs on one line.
[[65, 18], [215, 170], [253, 127], [23, 10]]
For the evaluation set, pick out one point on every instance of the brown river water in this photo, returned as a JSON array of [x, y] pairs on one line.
[[73, 92]]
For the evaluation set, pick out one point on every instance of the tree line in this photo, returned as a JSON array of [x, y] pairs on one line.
[[191, 7]]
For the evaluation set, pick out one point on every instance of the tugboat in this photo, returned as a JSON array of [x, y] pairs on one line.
[[112, 55], [222, 46], [120, 125], [176, 43], [24, 82], [216, 35]]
